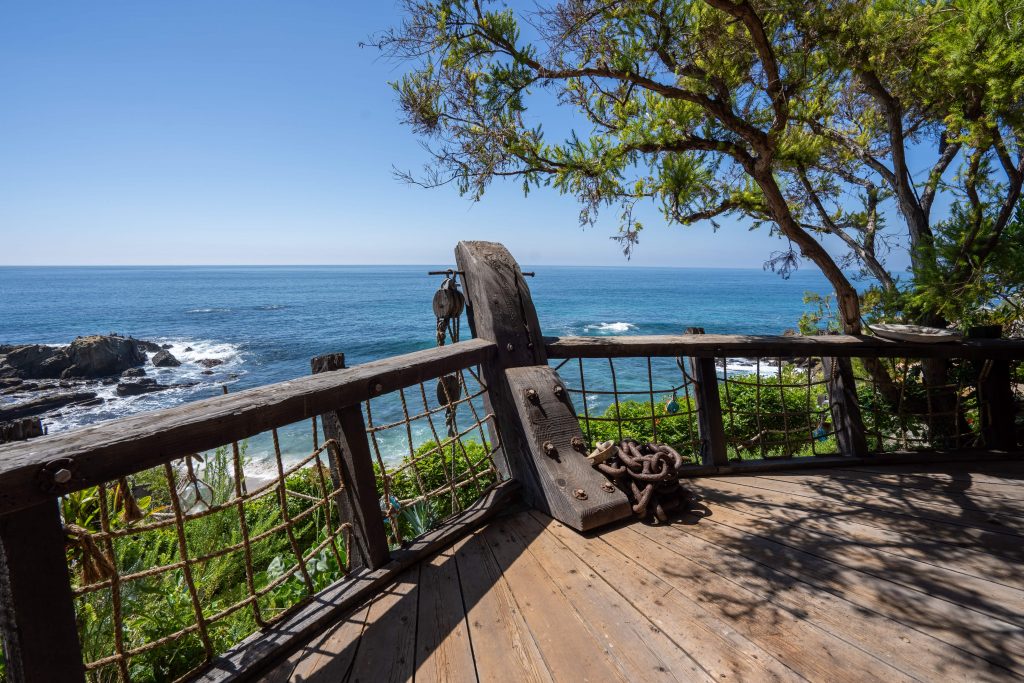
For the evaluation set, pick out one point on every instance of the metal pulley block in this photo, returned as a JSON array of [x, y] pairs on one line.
[[449, 389], [449, 302]]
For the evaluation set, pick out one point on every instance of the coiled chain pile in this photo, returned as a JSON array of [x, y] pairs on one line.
[[647, 473]]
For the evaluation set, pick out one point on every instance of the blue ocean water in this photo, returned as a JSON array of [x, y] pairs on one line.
[[266, 323]]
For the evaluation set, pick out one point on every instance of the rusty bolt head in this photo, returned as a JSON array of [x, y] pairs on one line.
[[549, 449], [578, 444], [579, 494], [608, 486], [378, 387], [559, 391], [62, 476], [509, 348], [532, 396]]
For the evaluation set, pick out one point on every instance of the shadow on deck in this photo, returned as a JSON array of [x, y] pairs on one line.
[[893, 573]]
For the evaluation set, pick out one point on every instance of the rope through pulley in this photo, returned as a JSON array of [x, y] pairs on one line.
[[448, 305]]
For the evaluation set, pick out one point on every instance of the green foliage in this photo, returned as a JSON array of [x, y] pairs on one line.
[[798, 117], [154, 607], [432, 468], [757, 416], [821, 318]]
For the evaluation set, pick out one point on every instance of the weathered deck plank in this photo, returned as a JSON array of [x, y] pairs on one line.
[[767, 577]]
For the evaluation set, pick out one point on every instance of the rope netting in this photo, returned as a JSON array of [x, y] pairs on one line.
[[437, 457], [620, 398], [775, 408], [781, 408], [174, 565]]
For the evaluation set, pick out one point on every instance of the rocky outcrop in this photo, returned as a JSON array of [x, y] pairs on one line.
[[143, 386], [148, 346], [21, 430], [133, 372], [210, 362], [102, 356], [165, 359], [34, 361], [44, 404], [86, 358]]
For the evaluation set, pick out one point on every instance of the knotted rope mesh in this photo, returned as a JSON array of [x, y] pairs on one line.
[[172, 566]]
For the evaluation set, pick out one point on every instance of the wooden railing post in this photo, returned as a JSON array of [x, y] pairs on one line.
[[352, 467], [847, 421], [540, 438], [37, 613], [710, 426], [996, 402]]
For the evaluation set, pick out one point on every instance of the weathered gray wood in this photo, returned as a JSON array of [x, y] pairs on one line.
[[845, 407], [352, 469], [260, 653], [549, 422], [749, 346], [710, 427], [500, 309], [37, 616], [107, 451]]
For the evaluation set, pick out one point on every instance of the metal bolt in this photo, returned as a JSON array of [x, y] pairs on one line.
[[532, 396], [608, 486], [549, 449], [378, 387], [579, 494], [509, 348], [559, 391], [578, 444], [62, 476]]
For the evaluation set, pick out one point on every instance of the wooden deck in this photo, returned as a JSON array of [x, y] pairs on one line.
[[867, 573]]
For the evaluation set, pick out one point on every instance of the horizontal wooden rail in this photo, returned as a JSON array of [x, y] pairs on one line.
[[108, 451], [748, 346]]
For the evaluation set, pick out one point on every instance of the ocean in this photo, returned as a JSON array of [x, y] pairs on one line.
[[266, 322]]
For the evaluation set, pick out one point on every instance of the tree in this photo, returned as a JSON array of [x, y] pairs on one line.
[[798, 115]]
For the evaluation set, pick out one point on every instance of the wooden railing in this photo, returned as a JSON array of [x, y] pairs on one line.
[[840, 376], [537, 418], [38, 478]]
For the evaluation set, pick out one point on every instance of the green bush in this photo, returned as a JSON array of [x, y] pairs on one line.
[[432, 467]]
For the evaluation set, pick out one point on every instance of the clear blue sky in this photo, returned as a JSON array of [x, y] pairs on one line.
[[223, 132]]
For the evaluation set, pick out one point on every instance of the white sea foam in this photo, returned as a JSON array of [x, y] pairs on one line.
[[208, 310], [188, 381], [609, 328]]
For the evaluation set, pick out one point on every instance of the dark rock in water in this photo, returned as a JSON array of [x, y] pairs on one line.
[[101, 356], [210, 362], [22, 388], [44, 404], [151, 347], [21, 430], [166, 346], [34, 361], [99, 400], [134, 372], [143, 386], [207, 372], [9, 382], [188, 348], [164, 359]]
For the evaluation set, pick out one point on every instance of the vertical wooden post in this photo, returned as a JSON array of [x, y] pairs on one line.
[[37, 613], [996, 403], [499, 308], [710, 426], [541, 440], [358, 505], [847, 421]]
